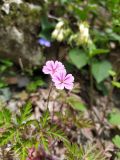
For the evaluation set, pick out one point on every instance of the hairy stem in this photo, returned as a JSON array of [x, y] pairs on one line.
[[48, 99], [91, 86]]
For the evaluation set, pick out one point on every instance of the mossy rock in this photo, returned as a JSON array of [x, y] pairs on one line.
[[19, 33]]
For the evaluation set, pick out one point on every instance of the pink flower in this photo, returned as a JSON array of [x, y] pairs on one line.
[[52, 67], [63, 80]]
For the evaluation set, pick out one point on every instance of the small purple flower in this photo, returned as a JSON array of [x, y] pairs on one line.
[[44, 42]]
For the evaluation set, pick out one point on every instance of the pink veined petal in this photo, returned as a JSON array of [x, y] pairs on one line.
[[56, 65], [46, 70], [56, 78], [69, 78], [50, 64], [61, 66], [52, 67], [59, 86], [68, 86], [62, 75]]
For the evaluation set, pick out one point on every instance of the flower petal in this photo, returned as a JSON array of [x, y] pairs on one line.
[[69, 78], [68, 86], [46, 70], [59, 85]]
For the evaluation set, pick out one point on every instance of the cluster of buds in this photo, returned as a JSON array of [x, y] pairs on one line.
[[84, 33], [61, 31], [81, 37]]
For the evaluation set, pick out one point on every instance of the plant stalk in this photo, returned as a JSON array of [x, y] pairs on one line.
[[48, 99]]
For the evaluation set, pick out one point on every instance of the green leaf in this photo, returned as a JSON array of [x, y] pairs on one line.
[[65, 1], [78, 57], [114, 118], [21, 148], [5, 117], [100, 70], [25, 113], [112, 35], [116, 84], [112, 73], [7, 136], [1, 117], [32, 86], [103, 88], [80, 13], [99, 51], [56, 133], [44, 119], [33, 122], [2, 84], [47, 28], [116, 140], [8, 63], [76, 103], [45, 24], [118, 154], [44, 142]]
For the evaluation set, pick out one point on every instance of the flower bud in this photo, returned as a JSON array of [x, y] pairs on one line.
[[84, 33], [60, 36], [55, 33], [59, 24]]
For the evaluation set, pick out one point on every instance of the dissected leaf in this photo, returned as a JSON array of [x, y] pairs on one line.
[[32, 86], [114, 118], [116, 140], [56, 133], [5, 117], [76, 103], [25, 113], [7, 136]]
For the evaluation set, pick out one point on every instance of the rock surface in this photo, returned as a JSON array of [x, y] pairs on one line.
[[19, 29]]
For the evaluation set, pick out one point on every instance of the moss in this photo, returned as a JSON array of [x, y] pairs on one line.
[[20, 14], [27, 22], [37, 2]]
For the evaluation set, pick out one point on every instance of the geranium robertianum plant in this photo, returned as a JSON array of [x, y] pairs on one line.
[[15, 129], [33, 139]]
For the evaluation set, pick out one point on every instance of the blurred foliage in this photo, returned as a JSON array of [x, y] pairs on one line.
[[90, 33], [32, 86], [90, 152], [85, 34], [17, 130], [5, 65]]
